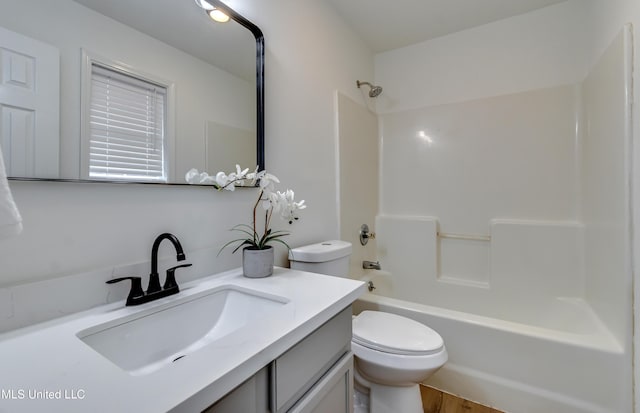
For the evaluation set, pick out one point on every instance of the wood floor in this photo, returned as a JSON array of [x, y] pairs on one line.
[[435, 401]]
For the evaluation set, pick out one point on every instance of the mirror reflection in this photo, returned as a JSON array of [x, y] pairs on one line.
[[126, 90]]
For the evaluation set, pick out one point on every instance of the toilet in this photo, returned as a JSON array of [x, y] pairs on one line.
[[393, 354]]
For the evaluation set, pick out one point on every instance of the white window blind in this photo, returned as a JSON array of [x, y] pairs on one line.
[[127, 127]]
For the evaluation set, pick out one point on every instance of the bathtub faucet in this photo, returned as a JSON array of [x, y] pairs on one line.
[[371, 265]]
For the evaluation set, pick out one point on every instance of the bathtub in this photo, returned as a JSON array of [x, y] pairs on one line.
[[558, 358]]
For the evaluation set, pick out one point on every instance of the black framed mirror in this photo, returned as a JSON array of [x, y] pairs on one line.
[[212, 74]]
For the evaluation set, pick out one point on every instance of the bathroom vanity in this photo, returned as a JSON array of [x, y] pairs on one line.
[[223, 344], [315, 375]]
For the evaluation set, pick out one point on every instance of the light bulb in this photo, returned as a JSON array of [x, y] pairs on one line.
[[218, 16]]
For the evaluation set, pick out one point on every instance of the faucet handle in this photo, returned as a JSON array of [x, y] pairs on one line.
[[136, 287], [170, 280], [365, 234]]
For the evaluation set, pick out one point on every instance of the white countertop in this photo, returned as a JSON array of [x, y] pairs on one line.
[[48, 368]]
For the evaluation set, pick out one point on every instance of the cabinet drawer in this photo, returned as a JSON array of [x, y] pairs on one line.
[[297, 370]]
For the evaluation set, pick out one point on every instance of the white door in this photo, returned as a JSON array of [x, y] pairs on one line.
[[29, 106]]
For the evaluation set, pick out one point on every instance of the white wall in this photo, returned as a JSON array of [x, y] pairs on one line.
[[312, 54], [77, 228], [540, 49], [357, 135]]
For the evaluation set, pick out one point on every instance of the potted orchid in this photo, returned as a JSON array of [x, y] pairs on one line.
[[257, 254]]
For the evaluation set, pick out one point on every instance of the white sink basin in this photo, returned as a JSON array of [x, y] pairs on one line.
[[146, 341]]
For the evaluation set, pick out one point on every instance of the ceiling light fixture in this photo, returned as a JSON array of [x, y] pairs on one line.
[[216, 14], [205, 5]]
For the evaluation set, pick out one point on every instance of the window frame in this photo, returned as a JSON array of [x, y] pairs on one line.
[[88, 61]]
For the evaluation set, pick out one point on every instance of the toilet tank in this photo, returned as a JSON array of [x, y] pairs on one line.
[[328, 257]]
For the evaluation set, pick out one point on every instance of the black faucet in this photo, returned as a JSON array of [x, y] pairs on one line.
[[154, 278], [137, 295]]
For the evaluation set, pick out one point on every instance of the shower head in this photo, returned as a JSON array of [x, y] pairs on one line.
[[375, 90]]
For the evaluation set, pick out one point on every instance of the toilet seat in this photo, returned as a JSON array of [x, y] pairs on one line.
[[394, 334], [397, 363]]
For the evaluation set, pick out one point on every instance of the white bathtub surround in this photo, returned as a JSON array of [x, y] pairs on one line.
[[606, 183], [527, 273], [51, 358], [521, 367], [522, 145], [539, 180], [511, 156]]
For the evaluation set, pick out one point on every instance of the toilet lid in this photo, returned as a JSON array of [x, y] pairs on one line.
[[395, 334]]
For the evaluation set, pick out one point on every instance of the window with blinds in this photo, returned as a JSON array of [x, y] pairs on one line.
[[127, 124]]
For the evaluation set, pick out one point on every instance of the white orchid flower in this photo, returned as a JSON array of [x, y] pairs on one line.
[[287, 206], [192, 176], [282, 203], [241, 173], [238, 176], [195, 177], [268, 182], [224, 181], [254, 175], [271, 178], [207, 179], [272, 201]]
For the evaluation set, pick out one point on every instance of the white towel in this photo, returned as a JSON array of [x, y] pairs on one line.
[[10, 219]]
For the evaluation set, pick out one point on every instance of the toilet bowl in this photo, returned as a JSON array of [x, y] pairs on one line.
[[393, 354]]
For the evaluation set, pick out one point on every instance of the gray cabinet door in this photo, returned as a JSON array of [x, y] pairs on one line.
[[251, 396], [333, 394]]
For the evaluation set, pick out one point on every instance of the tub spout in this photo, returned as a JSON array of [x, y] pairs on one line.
[[371, 265]]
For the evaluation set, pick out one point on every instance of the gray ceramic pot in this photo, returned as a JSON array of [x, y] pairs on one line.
[[257, 263]]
